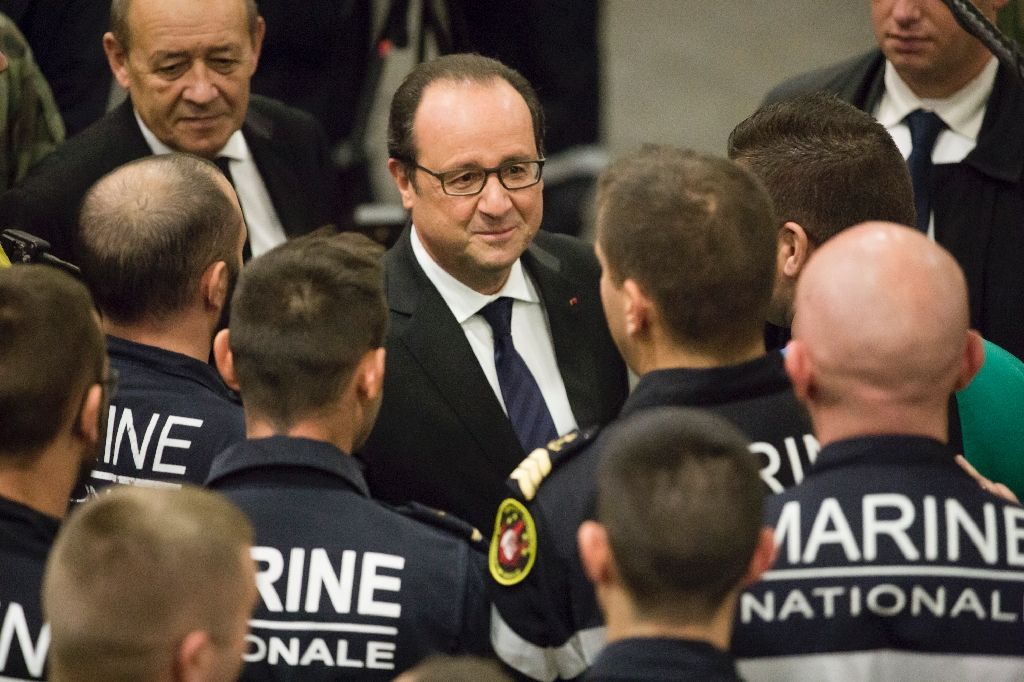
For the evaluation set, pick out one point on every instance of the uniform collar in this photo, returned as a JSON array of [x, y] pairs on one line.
[[662, 658], [321, 458], [709, 386], [460, 299], [888, 450], [168, 362], [27, 528]]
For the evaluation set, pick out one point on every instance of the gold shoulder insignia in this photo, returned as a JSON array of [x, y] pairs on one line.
[[528, 474], [513, 548]]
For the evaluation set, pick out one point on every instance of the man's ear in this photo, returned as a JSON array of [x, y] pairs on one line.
[[371, 373], [225, 359], [794, 249], [402, 181], [799, 368], [765, 553], [117, 58], [194, 657], [974, 358], [88, 422], [595, 552], [640, 308], [213, 286]]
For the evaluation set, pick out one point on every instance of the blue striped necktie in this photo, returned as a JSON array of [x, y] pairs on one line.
[[925, 127], [524, 402]]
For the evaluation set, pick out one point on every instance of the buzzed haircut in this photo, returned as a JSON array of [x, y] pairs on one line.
[[121, 29], [149, 229], [301, 318], [698, 234], [827, 165], [51, 351], [133, 571], [680, 497], [456, 68]]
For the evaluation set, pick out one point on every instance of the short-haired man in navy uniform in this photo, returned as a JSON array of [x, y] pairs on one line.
[[686, 244], [161, 248], [52, 395], [678, 534], [892, 563], [348, 587]]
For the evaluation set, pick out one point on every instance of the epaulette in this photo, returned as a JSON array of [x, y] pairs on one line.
[[526, 478], [444, 521]]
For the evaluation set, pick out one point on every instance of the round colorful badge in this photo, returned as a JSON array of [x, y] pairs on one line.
[[514, 544]]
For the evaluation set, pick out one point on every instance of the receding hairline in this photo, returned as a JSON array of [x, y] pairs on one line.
[[120, 26]]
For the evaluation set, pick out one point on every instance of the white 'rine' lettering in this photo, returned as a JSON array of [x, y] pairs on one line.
[[121, 431], [15, 627], [772, 459], [311, 572], [946, 531]]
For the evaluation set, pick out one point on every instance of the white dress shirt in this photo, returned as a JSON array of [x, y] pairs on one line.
[[531, 332], [265, 229], [963, 114]]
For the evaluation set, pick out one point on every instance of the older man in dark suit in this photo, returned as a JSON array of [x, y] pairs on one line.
[[187, 65], [498, 342]]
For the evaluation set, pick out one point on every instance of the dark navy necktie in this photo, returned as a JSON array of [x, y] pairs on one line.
[[223, 163], [925, 127], [524, 402]]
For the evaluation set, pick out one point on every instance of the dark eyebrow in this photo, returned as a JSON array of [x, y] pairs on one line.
[[160, 56]]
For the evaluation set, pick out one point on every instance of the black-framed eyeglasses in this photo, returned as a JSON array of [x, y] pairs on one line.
[[110, 382], [464, 182]]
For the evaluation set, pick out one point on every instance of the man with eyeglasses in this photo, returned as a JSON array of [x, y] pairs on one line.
[[54, 387], [497, 343]]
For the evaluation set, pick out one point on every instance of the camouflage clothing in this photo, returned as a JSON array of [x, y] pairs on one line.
[[30, 125]]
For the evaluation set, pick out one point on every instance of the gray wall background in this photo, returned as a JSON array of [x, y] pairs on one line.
[[685, 72]]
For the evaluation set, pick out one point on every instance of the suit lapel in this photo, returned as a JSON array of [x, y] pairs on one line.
[[281, 182], [439, 346], [565, 308]]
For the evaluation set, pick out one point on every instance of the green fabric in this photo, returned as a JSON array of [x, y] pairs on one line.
[[992, 419], [30, 124]]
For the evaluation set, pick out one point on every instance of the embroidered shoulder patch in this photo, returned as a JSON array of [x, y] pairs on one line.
[[514, 544]]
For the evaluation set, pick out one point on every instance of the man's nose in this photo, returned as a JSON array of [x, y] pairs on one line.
[[200, 88], [906, 11], [494, 198]]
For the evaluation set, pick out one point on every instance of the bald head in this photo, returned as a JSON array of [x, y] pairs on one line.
[[882, 317], [150, 229]]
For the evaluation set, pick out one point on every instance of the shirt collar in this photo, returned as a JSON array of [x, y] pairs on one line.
[[962, 112], [236, 148], [463, 301]]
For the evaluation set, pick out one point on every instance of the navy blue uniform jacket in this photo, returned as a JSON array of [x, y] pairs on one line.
[[171, 416], [349, 588], [25, 539], [893, 564], [550, 625]]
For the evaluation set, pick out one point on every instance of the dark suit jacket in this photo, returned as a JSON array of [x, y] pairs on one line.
[[978, 203], [442, 438], [288, 146]]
